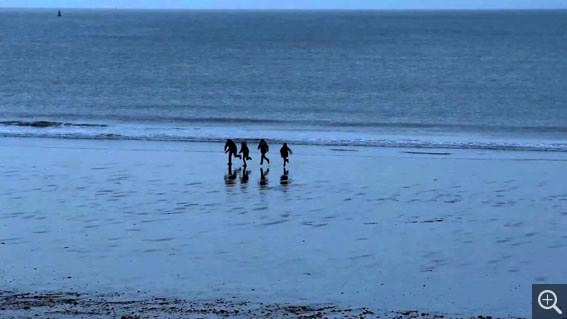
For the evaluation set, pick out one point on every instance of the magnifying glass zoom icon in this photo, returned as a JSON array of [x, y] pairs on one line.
[[547, 294]]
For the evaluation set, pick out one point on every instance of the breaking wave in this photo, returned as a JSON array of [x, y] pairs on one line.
[[218, 133]]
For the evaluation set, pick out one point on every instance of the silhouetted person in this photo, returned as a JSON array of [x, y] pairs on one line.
[[231, 149], [263, 177], [285, 151], [284, 179], [59, 13], [230, 178], [245, 151], [264, 148]]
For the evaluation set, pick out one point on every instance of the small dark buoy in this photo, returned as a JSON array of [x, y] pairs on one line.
[[59, 13]]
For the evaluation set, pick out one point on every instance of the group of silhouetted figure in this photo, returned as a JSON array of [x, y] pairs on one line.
[[244, 154]]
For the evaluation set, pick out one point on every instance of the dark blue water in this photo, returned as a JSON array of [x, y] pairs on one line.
[[495, 80]]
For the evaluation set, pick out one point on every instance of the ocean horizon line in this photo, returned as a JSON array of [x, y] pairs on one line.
[[292, 9]]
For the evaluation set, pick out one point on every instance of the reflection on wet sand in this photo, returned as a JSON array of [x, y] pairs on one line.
[[284, 179], [244, 177], [230, 177], [264, 177]]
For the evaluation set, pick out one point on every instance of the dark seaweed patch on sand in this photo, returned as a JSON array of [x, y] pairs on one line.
[[65, 305]]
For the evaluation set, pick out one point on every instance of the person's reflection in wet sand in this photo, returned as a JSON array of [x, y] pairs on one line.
[[264, 178], [230, 177], [245, 176], [284, 179]]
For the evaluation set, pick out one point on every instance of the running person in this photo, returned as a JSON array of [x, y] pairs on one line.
[[231, 149], [285, 151], [264, 148], [245, 151]]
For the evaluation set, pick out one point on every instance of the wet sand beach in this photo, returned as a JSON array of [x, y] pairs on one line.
[[458, 233]]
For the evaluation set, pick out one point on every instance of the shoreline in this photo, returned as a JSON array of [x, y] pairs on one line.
[[216, 147], [392, 141]]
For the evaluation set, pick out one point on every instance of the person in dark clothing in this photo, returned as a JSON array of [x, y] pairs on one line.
[[285, 151], [231, 149], [264, 148], [245, 151]]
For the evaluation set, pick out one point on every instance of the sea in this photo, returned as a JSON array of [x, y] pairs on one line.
[[487, 80]]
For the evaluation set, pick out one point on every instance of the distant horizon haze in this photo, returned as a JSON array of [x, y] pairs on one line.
[[288, 10], [291, 4]]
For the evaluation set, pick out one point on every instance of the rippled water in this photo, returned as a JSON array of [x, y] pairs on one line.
[[481, 80]]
